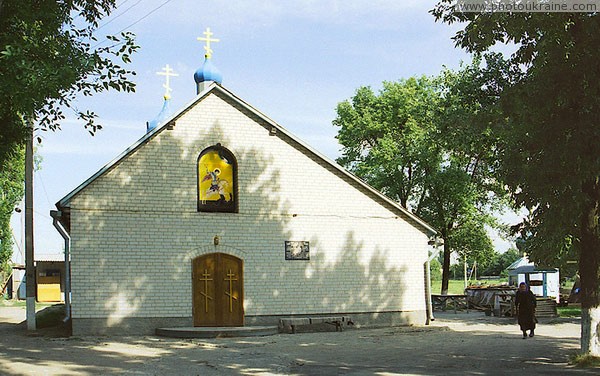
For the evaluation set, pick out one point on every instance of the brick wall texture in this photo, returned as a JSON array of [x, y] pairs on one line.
[[136, 228]]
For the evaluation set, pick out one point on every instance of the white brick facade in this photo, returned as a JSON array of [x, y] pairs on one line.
[[135, 228]]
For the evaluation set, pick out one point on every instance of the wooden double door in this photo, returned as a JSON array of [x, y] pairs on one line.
[[218, 290]]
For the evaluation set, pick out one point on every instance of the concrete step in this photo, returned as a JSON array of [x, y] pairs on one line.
[[546, 308], [217, 332]]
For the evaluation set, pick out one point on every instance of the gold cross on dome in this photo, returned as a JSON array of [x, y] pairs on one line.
[[168, 72], [208, 39]]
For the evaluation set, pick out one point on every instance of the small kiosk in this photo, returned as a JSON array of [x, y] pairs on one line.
[[542, 282]]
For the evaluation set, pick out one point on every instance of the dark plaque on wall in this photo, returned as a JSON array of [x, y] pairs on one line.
[[297, 250]]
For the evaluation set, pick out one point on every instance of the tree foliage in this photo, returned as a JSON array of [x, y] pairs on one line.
[[398, 141], [12, 189], [386, 137], [548, 134], [499, 262], [48, 55]]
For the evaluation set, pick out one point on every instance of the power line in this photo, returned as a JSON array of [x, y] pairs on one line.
[[17, 243], [148, 14], [136, 22], [117, 7], [120, 5], [42, 214], [119, 15], [39, 175]]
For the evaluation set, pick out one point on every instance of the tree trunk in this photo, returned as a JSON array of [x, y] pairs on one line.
[[588, 269], [590, 331], [446, 266]]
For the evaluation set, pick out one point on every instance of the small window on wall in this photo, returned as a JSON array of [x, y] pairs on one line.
[[217, 180]]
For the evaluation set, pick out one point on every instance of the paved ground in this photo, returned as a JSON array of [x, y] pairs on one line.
[[462, 344]]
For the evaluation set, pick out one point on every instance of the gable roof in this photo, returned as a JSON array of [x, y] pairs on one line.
[[524, 266], [64, 203], [523, 261]]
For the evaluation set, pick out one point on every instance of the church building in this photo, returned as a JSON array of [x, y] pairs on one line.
[[219, 216]]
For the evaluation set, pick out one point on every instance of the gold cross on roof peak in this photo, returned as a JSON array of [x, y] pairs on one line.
[[208, 39], [167, 72]]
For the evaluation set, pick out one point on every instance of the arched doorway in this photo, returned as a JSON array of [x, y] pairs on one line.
[[218, 290]]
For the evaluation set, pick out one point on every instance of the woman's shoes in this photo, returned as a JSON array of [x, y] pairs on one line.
[[525, 334]]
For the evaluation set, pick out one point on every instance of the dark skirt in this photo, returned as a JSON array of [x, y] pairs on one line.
[[526, 319]]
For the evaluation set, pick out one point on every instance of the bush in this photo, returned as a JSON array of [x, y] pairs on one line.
[[435, 269]]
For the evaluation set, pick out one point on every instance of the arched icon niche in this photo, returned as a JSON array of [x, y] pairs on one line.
[[217, 180]]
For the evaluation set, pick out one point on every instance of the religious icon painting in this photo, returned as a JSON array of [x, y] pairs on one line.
[[217, 180]]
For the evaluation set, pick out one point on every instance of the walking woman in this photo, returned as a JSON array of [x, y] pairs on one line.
[[525, 304]]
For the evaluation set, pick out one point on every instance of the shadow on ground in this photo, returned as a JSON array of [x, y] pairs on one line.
[[446, 348]]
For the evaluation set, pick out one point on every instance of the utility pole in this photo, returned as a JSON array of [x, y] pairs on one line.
[[29, 264]]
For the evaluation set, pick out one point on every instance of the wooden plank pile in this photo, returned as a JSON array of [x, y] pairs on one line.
[[483, 298]]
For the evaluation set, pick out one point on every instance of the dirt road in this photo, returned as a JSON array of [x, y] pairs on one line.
[[462, 344]]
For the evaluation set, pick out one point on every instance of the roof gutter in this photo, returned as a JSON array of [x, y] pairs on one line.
[[56, 216], [435, 243]]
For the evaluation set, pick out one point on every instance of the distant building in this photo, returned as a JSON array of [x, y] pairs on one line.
[[542, 282], [50, 278], [50, 284], [16, 284]]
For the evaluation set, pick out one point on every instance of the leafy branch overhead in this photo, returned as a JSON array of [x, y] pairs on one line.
[[49, 54]]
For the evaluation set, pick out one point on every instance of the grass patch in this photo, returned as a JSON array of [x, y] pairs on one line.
[[455, 286], [585, 361], [569, 311], [13, 303], [23, 304]]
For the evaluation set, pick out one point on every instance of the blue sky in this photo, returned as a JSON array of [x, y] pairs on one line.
[[292, 60]]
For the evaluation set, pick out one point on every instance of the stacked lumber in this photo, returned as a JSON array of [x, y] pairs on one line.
[[483, 298]]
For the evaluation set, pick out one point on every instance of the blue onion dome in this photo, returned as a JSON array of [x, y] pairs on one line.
[[208, 72], [163, 115]]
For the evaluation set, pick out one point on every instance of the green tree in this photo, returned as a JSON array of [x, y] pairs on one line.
[[500, 261], [49, 55], [435, 269], [397, 142], [473, 243], [549, 134], [11, 188], [469, 191], [455, 206], [386, 137]]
